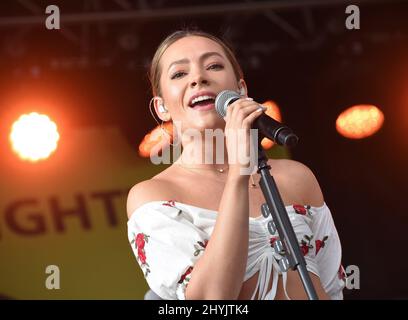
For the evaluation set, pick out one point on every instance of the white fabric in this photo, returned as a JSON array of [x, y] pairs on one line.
[[174, 236]]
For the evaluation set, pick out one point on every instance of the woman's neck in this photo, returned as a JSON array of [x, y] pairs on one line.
[[206, 152]]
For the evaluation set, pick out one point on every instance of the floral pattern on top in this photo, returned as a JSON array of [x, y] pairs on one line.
[[303, 210], [194, 243], [272, 240], [320, 243], [139, 240], [199, 246], [183, 278], [171, 204], [341, 273], [305, 244]]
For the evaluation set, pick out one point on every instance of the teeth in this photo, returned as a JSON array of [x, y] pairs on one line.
[[201, 98]]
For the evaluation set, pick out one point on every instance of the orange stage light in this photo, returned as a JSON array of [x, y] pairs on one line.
[[359, 121], [156, 140], [34, 137]]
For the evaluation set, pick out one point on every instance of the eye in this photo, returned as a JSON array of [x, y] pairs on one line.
[[177, 75], [215, 66]]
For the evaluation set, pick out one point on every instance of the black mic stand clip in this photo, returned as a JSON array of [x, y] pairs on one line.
[[287, 245]]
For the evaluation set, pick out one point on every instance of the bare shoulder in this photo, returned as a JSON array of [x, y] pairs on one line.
[[301, 179], [289, 165], [149, 190]]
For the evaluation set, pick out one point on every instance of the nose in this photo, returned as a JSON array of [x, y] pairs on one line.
[[198, 79]]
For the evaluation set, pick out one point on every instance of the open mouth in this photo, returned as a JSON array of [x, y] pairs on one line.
[[202, 103]]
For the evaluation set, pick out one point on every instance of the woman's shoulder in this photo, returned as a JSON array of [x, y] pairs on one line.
[[299, 178], [289, 166], [154, 189]]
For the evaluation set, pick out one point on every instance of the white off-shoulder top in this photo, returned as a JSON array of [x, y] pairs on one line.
[[168, 237]]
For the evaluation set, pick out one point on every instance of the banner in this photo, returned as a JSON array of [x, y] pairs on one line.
[[68, 214]]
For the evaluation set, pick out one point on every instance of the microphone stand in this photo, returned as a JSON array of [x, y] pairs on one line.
[[287, 245]]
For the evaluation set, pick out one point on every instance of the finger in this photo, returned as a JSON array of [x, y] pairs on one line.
[[243, 107], [243, 112], [241, 102], [233, 108], [247, 122]]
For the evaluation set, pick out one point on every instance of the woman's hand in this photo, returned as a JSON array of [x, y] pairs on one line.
[[241, 147]]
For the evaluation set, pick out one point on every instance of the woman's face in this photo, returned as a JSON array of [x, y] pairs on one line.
[[192, 69]]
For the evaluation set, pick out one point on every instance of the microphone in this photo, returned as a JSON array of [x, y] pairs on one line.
[[268, 126]]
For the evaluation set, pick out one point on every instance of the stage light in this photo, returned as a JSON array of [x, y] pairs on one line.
[[34, 137], [274, 112], [156, 140], [359, 121]]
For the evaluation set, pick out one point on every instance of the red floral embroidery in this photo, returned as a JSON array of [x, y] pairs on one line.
[[341, 273], [170, 203], [201, 247], [300, 209], [204, 245], [139, 242], [183, 277], [272, 240], [305, 244], [305, 249], [141, 255], [320, 244]]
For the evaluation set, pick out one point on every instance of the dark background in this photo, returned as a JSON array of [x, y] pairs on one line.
[[297, 53]]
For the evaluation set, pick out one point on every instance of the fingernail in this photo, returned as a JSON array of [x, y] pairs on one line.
[[249, 99], [260, 109]]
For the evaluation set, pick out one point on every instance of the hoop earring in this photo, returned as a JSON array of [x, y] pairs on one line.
[[163, 130]]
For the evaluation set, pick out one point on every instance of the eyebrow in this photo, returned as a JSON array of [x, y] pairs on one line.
[[202, 57]]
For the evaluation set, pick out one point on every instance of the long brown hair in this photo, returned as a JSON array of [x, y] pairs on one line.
[[155, 70]]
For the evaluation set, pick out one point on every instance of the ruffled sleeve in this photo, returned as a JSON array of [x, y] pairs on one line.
[[328, 252], [166, 244], [320, 245]]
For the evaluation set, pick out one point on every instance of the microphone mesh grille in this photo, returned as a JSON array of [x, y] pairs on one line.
[[222, 100]]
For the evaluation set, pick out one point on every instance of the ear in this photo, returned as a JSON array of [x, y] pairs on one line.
[[243, 90], [160, 111]]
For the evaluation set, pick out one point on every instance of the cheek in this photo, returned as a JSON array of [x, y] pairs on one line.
[[228, 80], [232, 79], [174, 91]]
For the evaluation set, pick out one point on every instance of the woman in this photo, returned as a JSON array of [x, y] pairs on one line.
[[196, 228]]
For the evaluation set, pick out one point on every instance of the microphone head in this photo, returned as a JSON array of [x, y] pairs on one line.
[[223, 99]]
